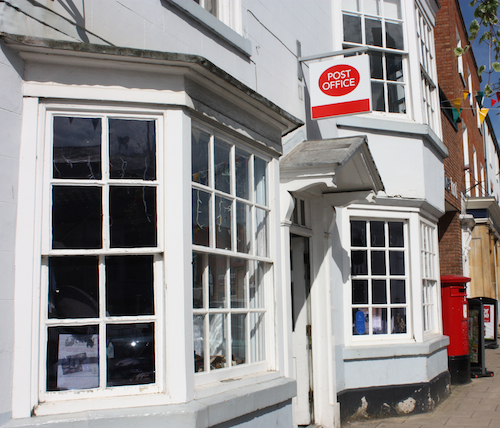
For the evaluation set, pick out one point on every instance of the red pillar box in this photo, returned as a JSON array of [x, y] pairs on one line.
[[455, 325]]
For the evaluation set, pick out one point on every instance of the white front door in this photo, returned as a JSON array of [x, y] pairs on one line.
[[301, 328]]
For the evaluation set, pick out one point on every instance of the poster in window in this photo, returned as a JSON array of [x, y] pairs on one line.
[[78, 366], [489, 323]]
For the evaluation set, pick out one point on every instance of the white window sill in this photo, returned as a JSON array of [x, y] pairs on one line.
[[199, 413], [214, 24], [367, 351]]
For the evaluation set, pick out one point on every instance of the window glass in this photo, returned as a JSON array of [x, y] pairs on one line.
[[76, 217], [77, 148], [229, 305], [379, 279], [379, 24], [132, 149], [96, 285], [199, 156]]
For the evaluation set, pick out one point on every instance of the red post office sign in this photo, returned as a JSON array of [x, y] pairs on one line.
[[340, 86]]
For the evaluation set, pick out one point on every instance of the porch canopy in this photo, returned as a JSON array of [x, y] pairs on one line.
[[335, 165]]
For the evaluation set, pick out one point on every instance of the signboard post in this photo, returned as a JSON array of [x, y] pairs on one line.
[[340, 86]]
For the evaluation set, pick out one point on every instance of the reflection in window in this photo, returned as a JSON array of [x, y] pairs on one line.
[[379, 280], [228, 291]]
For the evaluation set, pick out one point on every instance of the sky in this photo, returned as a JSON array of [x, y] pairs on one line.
[[481, 55]]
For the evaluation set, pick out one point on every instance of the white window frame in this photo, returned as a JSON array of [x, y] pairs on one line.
[[460, 59], [465, 144], [47, 251], [430, 97], [378, 215], [384, 50], [476, 172], [214, 376], [430, 298]]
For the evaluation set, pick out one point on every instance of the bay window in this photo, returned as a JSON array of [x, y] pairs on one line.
[[378, 24], [101, 256], [429, 276], [379, 277], [231, 254]]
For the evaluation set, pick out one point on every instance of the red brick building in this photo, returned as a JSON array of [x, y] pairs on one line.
[[465, 168]]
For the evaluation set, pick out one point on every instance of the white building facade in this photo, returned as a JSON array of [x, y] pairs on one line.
[[184, 246]]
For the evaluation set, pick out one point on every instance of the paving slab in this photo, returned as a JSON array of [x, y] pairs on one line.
[[474, 405]]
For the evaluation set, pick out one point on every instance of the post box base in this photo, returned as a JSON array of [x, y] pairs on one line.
[[459, 369]]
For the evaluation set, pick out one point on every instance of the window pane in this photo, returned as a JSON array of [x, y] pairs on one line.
[[394, 67], [238, 339], [376, 68], [372, 7], [201, 217], [72, 358], [257, 337], [396, 94], [396, 263], [261, 238], [392, 9], [260, 181], [132, 221], [396, 237], [129, 285], [360, 321], [358, 233], [379, 291], [359, 292], [237, 281], [352, 29], [223, 209], [377, 234], [222, 167], [218, 341], [379, 320], [132, 149], [373, 29], [243, 227], [76, 217], [256, 291], [73, 287], [378, 263], [359, 264], [198, 270], [199, 156], [77, 148], [131, 354], [378, 97], [398, 291], [198, 342], [242, 174], [398, 320], [394, 34], [217, 282]]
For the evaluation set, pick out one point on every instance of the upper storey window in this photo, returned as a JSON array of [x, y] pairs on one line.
[[209, 5], [379, 25]]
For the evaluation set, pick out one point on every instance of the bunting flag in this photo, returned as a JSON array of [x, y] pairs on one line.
[[498, 96], [466, 94], [456, 110], [482, 114], [456, 114], [479, 99], [493, 102]]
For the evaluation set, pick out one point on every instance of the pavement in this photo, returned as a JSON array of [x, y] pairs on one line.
[[474, 405]]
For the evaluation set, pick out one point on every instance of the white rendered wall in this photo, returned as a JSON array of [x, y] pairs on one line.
[[10, 125]]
